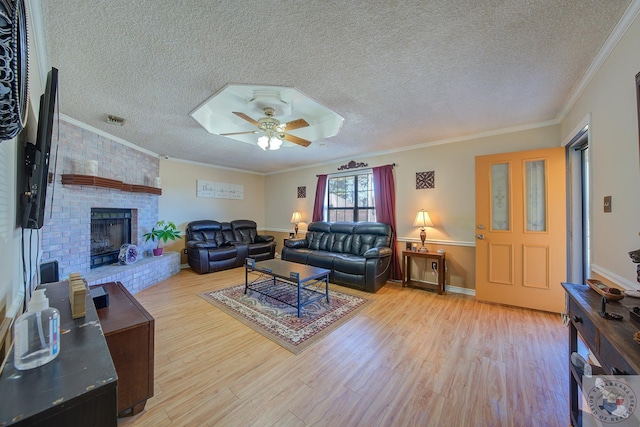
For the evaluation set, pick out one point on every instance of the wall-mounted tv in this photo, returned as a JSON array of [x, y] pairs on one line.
[[36, 158]]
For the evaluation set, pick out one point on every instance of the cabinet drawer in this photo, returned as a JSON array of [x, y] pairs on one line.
[[610, 358], [583, 324]]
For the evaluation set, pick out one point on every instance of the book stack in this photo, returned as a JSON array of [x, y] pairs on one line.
[[77, 295]]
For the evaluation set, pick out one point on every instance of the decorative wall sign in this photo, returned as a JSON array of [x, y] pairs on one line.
[[14, 68], [425, 180], [302, 192], [353, 165], [219, 190]]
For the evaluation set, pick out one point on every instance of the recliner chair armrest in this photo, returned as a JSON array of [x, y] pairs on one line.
[[264, 238], [296, 243], [377, 253]]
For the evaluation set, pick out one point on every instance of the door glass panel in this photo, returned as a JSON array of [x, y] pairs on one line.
[[536, 209], [500, 196]]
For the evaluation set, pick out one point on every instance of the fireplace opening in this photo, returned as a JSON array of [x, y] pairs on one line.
[[110, 229]]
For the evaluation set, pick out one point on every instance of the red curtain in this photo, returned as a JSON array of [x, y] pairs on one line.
[[385, 194], [318, 206]]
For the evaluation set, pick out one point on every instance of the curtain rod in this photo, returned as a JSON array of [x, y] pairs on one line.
[[393, 165]]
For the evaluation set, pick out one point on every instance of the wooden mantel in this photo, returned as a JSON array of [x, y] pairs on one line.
[[96, 181]]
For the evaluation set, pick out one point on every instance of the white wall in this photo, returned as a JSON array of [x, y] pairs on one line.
[[610, 98], [178, 202], [451, 204]]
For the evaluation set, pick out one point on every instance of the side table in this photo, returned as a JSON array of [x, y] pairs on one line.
[[406, 270], [129, 331]]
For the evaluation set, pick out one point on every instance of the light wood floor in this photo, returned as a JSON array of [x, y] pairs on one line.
[[411, 358]]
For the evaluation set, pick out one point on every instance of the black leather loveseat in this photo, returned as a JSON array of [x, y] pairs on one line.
[[214, 246], [357, 253]]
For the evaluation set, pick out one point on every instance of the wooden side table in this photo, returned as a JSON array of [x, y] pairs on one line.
[[406, 270], [129, 331]]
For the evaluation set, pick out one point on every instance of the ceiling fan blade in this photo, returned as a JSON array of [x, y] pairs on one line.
[[239, 133], [296, 124], [296, 140], [247, 118]]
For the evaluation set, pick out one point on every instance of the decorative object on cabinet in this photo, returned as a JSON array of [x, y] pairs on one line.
[[295, 219], [423, 221], [425, 180]]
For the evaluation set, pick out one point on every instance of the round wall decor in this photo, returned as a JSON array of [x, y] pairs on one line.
[[14, 68]]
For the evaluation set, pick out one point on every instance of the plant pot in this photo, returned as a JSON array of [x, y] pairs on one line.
[[157, 252]]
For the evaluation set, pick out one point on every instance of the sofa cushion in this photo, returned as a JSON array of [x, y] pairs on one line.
[[321, 259], [223, 253], [369, 235], [297, 255], [209, 232], [244, 230], [350, 264]]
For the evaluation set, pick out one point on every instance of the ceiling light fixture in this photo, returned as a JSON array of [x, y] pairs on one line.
[[273, 130]]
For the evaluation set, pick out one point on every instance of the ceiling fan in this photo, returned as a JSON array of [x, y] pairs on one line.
[[274, 131]]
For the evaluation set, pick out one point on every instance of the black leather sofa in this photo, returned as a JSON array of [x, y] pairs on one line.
[[214, 246], [357, 253]]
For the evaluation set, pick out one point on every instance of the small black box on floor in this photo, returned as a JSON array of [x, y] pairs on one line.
[[100, 296]]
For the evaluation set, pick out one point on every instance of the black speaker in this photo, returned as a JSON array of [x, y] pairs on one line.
[[49, 272]]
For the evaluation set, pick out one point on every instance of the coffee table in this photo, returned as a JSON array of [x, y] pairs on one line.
[[304, 283]]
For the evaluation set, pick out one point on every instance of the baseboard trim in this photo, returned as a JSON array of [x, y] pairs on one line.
[[609, 275]]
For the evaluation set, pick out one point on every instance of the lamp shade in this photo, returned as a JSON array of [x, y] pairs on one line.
[[422, 219], [296, 218]]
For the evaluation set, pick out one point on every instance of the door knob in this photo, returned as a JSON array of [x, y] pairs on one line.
[[480, 236]]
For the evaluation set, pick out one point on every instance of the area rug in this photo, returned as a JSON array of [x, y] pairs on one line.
[[279, 321]]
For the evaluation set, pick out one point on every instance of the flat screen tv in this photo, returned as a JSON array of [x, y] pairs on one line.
[[36, 160]]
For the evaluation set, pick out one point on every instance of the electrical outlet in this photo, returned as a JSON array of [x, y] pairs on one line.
[[185, 251], [434, 265]]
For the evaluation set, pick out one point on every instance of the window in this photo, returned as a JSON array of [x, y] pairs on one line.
[[351, 198]]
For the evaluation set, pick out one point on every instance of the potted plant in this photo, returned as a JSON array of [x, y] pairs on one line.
[[162, 231]]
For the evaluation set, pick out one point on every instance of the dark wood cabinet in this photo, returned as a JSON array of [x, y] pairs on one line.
[[129, 331], [609, 341], [77, 388]]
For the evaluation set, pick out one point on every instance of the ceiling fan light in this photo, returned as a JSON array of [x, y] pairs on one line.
[[274, 143], [263, 142]]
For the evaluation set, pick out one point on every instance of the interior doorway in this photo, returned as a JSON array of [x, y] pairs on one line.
[[578, 216]]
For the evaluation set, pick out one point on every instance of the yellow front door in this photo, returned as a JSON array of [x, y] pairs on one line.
[[521, 255]]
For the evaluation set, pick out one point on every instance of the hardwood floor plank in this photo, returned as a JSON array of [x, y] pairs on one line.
[[410, 358]]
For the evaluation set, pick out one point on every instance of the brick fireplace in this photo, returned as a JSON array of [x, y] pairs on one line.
[[66, 235]]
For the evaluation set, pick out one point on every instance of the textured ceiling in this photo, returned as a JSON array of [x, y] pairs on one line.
[[400, 73]]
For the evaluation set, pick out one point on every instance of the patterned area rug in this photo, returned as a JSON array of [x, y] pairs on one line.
[[279, 321]]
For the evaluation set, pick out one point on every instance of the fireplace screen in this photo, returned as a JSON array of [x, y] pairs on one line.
[[110, 229]]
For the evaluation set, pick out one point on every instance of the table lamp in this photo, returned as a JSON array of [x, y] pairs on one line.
[[295, 219], [423, 221]]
